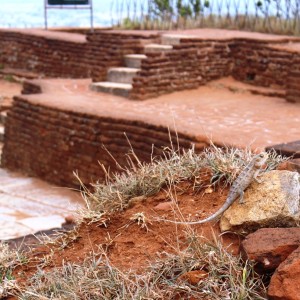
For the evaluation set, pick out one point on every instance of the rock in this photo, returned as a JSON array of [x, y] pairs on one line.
[[285, 283], [70, 219], [269, 247], [290, 165], [290, 149], [193, 277], [136, 200], [272, 203], [164, 206]]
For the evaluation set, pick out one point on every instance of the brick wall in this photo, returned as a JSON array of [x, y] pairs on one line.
[[50, 144], [108, 48], [49, 54], [193, 62], [188, 65], [260, 64], [293, 81]]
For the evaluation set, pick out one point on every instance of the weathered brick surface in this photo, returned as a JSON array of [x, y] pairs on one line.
[[46, 55], [30, 87], [191, 63], [50, 143], [188, 65], [260, 64], [108, 48], [293, 81]]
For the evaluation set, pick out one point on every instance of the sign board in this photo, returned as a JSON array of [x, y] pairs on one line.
[[68, 2]]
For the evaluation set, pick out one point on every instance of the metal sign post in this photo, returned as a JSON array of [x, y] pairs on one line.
[[68, 4]]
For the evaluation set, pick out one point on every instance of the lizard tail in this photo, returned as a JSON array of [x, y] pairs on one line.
[[210, 218]]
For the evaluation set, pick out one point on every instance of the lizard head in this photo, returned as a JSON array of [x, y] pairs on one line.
[[260, 159]]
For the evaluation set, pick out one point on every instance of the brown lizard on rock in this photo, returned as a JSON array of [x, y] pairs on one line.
[[238, 187]]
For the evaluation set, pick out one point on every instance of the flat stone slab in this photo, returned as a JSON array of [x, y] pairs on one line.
[[150, 48], [115, 88], [134, 60], [121, 75], [29, 205]]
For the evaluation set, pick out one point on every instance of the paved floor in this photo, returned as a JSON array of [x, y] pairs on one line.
[[231, 116], [28, 205]]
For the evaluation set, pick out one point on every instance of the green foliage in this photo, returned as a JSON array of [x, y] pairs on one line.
[[161, 7], [9, 78], [185, 9]]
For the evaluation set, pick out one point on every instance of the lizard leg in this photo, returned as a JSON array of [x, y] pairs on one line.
[[241, 201], [256, 174]]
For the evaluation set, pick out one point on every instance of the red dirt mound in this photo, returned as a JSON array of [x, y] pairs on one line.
[[128, 244]]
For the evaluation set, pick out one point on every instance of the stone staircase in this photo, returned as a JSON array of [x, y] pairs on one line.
[[3, 115], [119, 79]]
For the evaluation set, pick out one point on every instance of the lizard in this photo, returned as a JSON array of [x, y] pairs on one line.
[[244, 179]]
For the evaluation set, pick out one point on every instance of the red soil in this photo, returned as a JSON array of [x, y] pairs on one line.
[[128, 245]]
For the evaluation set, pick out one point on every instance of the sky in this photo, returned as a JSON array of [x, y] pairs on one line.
[[30, 13]]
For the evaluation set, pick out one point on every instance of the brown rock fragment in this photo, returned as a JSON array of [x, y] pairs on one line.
[[136, 200], [193, 277], [70, 219], [285, 283], [269, 247], [164, 206], [290, 165]]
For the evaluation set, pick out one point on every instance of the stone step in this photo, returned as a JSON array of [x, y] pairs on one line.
[[121, 75], [154, 48], [134, 60], [172, 39], [3, 116], [2, 133], [119, 89]]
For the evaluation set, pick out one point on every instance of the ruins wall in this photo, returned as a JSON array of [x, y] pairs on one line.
[[49, 54], [188, 65], [52, 144], [108, 48], [293, 80], [191, 63], [260, 64]]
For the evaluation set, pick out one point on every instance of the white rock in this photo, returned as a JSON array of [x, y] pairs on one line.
[[272, 203]]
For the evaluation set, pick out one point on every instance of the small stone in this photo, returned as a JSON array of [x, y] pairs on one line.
[[70, 219], [208, 190], [269, 247], [164, 206], [193, 277], [136, 200], [272, 203], [285, 283]]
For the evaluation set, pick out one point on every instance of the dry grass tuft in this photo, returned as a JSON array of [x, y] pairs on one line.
[[146, 179], [228, 277], [9, 259]]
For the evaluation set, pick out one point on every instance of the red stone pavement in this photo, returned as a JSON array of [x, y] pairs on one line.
[[213, 112]]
